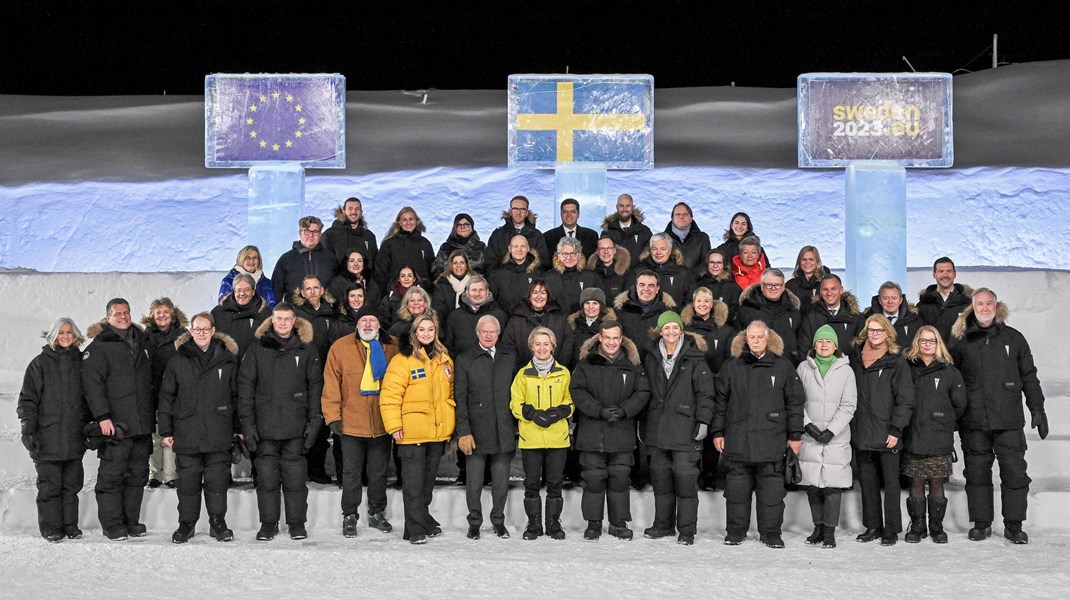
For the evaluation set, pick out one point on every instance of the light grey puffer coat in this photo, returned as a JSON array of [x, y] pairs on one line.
[[830, 404]]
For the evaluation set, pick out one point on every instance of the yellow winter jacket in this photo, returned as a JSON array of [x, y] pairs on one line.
[[542, 393], [417, 397]]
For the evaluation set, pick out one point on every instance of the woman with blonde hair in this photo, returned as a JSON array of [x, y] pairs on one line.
[[939, 402], [806, 278], [250, 262], [418, 410]]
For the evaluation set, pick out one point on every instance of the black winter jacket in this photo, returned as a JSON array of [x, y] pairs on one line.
[[163, 346], [635, 240], [404, 249], [198, 403], [338, 288], [636, 322], [482, 392], [695, 248], [117, 381], [240, 322], [598, 382], [759, 404], [885, 401], [907, 321], [473, 247], [715, 331], [581, 331], [524, 320], [340, 238], [940, 314], [497, 254], [566, 285], [321, 319], [680, 402], [461, 324], [674, 278], [847, 323], [509, 282], [725, 289], [783, 317], [279, 384], [939, 402], [612, 279], [297, 262], [51, 405], [806, 289]]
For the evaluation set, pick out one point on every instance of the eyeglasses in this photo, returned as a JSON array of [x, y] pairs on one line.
[[201, 331], [715, 262], [463, 225], [773, 286], [518, 208], [311, 232], [567, 254], [923, 342], [877, 331]]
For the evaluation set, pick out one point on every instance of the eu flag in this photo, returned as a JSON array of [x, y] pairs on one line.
[[258, 119], [607, 119]]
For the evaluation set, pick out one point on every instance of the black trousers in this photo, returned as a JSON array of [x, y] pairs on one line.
[[121, 479], [207, 471], [419, 465], [825, 505], [359, 453], [280, 463], [674, 475], [58, 484], [979, 450], [499, 486], [879, 471], [763, 481], [605, 481], [543, 465]]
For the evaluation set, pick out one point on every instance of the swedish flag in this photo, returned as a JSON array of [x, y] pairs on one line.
[[417, 374]]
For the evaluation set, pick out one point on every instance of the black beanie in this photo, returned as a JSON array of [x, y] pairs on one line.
[[466, 217]]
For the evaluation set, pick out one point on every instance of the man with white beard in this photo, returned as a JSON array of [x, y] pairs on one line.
[[998, 369], [350, 401]]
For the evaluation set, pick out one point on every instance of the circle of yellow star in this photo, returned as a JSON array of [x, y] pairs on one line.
[[249, 121], [289, 144], [274, 95], [263, 98], [263, 144], [298, 133], [297, 108], [252, 134], [275, 147], [252, 107]]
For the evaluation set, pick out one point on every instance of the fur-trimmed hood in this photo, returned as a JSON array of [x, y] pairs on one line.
[[847, 299], [630, 349], [340, 219], [177, 317], [302, 326], [875, 307], [395, 229], [931, 289], [606, 314], [739, 343], [622, 261], [637, 216], [560, 266], [100, 326], [534, 264], [228, 342], [298, 300], [624, 297], [530, 219], [677, 255], [753, 291], [697, 340], [719, 312], [964, 322]]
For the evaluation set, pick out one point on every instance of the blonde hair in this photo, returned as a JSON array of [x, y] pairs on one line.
[[942, 353], [53, 332], [889, 333], [818, 270], [542, 331], [437, 347], [244, 252]]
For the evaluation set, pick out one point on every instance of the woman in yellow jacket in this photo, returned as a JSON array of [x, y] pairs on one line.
[[416, 402], [542, 403]]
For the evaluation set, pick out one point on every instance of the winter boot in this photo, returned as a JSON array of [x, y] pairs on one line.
[[268, 531], [378, 521], [916, 510], [815, 538], [593, 531], [828, 537], [217, 528], [868, 535], [297, 530], [533, 507], [183, 533], [937, 508], [981, 530], [772, 540], [620, 530], [1012, 530], [72, 532], [349, 525], [554, 507]]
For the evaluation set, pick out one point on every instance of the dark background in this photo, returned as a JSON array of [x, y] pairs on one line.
[[103, 48]]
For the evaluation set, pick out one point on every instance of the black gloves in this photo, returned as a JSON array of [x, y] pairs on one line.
[[527, 411], [336, 427], [563, 410], [812, 430], [312, 431], [1040, 423], [251, 438], [821, 436], [31, 443], [612, 414], [699, 434], [545, 418]]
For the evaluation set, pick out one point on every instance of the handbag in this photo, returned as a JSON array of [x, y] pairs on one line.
[[792, 468]]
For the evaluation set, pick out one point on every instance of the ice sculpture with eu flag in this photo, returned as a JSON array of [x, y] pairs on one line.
[[277, 125]]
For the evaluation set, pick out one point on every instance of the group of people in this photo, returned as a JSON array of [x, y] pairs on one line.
[[616, 358]]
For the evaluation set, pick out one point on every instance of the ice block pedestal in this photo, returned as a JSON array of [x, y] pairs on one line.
[[876, 227], [276, 202], [586, 184]]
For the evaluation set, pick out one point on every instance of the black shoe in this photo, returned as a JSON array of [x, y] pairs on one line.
[[815, 538], [171, 484], [116, 534], [72, 532], [1013, 532], [772, 540], [418, 538], [621, 532], [434, 532], [501, 531], [533, 531], [155, 483], [183, 533], [349, 525], [378, 521], [217, 528], [593, 531], [828, 538], [982, 530], [889, 539], [268, 531], [654, 532], [869, 535], [297, 531], [136, 529], [54, 537], [686, 539], [473, 532], [734, 539]]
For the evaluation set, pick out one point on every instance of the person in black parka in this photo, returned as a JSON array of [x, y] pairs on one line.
[[349, 231], [721, 283], [626, 228], [610, 265], [465, 238], [404, 246], [610, 389], [538, 309], [240, 313], [941, 303], [517, 270], [355, 270], [903, 315], [518, 220], [117, 382], [806, 279], [307, 257], [476, 302], [836, 308], [279, 387], [769, 302], [53, 414], [198, 420], [164, 324]]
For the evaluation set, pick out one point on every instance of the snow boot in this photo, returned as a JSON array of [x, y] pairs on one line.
[[981, 530], [1012, 530], [621, 531], [217, 528], [533, 508], [554, 506], [828, 537], [183, 533], [593, 531], [916, 511], [349, 525], [937, 508], [815, 538]]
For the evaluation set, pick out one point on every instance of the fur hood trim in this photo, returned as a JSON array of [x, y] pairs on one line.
[[531, 218], [96, 328], [303, 327], [535, 263], [622, 261], [622, 298], [931, 288], [228, 342], [848, 299], [753, 290], [677, 255], [696, 339], [637, 216], [719, 313], [298, 300], [395, 229], [958, 330], [629, 347], [875, 307], [560, 266], [340, 216], [739, 343], [177, 316], [606, 314]]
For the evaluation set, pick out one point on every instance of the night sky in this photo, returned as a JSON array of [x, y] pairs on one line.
[[102, 48]]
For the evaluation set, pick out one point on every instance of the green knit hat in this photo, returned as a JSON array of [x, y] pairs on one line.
[[669, 317], [825, 332]]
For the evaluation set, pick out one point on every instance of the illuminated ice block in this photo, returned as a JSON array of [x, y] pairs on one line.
[[876, 227], [276, 202], [586, 184]]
